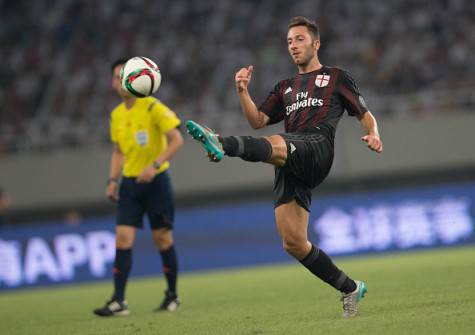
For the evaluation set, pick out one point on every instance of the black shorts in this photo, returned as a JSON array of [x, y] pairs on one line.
[[309, 159], [154, 199]]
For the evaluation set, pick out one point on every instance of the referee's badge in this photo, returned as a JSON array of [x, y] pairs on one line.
[[142, 137], [322, 80]]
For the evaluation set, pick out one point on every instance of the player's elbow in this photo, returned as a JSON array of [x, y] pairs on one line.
[[259, 120], [256, 125]]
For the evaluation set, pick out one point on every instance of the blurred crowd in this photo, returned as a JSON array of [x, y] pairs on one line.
[[410, 57]]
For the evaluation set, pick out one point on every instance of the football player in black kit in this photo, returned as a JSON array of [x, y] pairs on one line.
[[310, 104]]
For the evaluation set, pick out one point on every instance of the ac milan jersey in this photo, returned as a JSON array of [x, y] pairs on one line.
[[314, 100]]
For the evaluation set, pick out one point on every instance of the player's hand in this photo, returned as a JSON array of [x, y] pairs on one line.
[[147, 175], [374, 142], [111, 191], [243, 77]]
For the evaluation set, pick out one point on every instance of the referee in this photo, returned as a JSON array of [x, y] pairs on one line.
[[145, 136]]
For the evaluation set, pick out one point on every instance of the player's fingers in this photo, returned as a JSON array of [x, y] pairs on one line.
[[238, 76], [249, 71], [242, 79], [240, 84], [364, 138], [377, 146], [242, 72], [372, 143]]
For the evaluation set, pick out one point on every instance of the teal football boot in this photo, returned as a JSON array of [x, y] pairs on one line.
[[207, 138]]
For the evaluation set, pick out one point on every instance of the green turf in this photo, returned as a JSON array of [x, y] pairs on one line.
[[429, 292]]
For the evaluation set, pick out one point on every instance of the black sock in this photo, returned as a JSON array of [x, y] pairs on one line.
[[170, 267], [247, 147], [122, 266], [318, 262]]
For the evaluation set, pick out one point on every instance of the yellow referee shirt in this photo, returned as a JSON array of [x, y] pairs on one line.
[[140, 133]]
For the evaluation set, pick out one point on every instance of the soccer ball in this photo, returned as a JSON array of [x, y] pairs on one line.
[[140, 77]]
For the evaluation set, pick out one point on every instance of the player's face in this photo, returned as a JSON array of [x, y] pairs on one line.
[[302, 47], [116, 84]]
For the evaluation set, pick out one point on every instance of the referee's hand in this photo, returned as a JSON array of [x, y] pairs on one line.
[[147, 175], [111, 191]]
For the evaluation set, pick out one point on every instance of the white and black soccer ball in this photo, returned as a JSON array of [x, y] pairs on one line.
[[140, 76]]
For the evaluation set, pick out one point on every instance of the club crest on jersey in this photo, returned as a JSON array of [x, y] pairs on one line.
[[322, 80]]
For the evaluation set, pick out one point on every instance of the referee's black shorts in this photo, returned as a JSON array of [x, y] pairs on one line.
[[309, 159], [155, 199]]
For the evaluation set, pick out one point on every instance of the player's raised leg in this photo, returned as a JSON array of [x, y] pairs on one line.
[[292, 222], [270, 149]]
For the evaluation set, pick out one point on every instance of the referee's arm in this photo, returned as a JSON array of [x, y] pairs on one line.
[[174, 142], [117, 160]]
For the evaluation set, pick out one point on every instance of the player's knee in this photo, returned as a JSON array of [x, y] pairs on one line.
[[279, 149], [294, 246]]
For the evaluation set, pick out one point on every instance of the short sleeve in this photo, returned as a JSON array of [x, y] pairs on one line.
[[353, 101], [273, 106], [164, 117]]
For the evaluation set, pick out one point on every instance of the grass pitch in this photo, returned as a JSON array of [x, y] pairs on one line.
[[431, 292]]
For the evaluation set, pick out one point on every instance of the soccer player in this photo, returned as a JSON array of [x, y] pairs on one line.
[[145, 136], [310, 104]]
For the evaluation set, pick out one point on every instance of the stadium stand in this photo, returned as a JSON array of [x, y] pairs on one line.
[[55, 80]]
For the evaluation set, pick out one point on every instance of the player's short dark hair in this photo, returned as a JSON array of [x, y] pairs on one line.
[[303, 21], [119, 61]]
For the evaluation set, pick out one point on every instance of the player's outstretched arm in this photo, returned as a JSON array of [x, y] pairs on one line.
[[256, 118], [370, 126]]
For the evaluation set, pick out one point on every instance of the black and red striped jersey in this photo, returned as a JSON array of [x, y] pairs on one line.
[[314, 100]]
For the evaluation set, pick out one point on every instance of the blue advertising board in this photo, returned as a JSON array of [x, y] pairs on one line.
[[242, 234]]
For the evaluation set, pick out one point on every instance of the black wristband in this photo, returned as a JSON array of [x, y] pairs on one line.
[[112, 180]]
